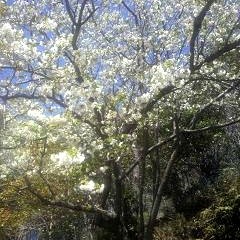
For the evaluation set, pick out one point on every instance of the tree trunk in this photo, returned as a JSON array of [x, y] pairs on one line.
[[140, 155], [159, 195]]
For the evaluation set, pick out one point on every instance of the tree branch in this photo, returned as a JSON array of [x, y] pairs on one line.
[[219, 53], [150, 149], [165, 177], [81, 22], [213, 127], [161, 143], [197, 25], [70, 12], [132, 12], [68, 205], [162, 93], [79, 78], [219, 97]]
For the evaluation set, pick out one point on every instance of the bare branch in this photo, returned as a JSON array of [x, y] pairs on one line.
[[42, 155]]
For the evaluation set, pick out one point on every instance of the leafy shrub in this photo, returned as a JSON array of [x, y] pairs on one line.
[[221, 220]]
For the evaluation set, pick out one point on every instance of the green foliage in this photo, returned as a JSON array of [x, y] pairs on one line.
[[221, 220], [61, 224], [218, 220], [176, 229]]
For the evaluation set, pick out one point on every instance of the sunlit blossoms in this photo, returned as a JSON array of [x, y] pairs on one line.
[[64, 159]]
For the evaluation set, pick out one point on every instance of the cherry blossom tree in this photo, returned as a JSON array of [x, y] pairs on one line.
[[100, 94]]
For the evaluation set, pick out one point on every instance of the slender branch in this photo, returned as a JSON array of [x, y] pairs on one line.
[[132, 12], [162, 93], [20, 95], [130, 169], [98, 128], [164, 180], [197, 25], [150, 149], [42, 155], [81, 22], [219, 97], [219, 53], [165, 141], [9, 148], [70, 12], [58, 101], [78, 25], [161, 143], [89, 16], [213, 127]]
